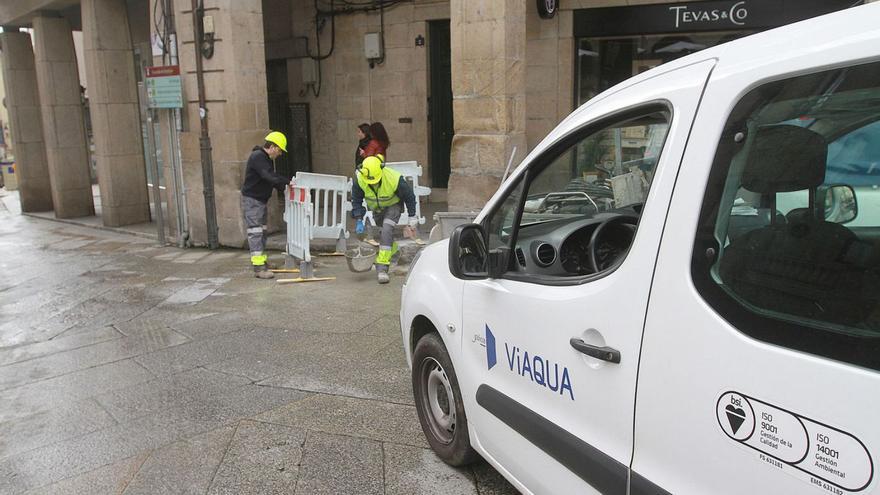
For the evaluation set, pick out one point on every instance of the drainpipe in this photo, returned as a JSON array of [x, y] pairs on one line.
[[204, 138]]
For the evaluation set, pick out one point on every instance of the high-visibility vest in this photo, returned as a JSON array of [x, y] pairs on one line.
[[385, 194]]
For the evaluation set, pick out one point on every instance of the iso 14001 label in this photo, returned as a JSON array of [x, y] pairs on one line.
[[822, 455]]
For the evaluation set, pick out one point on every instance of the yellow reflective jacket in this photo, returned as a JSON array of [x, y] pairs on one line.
[[385, 194]]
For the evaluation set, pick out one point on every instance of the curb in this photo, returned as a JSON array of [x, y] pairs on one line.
[[92, 226]]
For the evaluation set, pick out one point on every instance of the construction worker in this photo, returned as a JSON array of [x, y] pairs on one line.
[[259, 180], [382, 189]]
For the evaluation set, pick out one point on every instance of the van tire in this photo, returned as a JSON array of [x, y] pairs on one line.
[[432, 378]]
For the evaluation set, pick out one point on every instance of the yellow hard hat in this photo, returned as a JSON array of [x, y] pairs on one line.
[[279, 139], [371, 170]]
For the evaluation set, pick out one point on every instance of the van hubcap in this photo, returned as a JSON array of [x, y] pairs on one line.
[[439, 400]]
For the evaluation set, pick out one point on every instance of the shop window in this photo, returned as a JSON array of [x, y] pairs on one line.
[[788, 248], [604, 62]]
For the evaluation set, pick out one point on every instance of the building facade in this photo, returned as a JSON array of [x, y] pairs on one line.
[[464, 87]]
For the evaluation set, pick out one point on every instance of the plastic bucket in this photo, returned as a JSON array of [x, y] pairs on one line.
[[360, 259]]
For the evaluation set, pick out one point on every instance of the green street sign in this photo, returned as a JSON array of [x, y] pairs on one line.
[[164, 89]]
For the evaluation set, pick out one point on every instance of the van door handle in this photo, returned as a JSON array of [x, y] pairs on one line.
[[604, 353]]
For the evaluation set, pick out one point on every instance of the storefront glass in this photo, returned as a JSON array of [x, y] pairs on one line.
[[604, 62]]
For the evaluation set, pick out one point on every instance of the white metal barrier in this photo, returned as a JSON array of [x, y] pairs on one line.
[[411, 170], [330, 205], [298, 215]]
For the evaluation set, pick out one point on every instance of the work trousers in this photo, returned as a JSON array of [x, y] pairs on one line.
[[255, 215], [386, 219]]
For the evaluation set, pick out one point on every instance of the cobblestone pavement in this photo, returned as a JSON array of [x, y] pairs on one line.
[[130, 368]]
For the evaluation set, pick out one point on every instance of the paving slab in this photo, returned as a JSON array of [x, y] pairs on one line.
[[163, 370], [262, 458], [85, 338], [111, 479], [49, 426], [334, 464], [415, 471], [140, 326], [489, 481], [376, 420], [72, 387], [254, 369], [211, 326], [378, 372], [198, 394], [184, 467], [218, 256], [296, 349], [72, 244], [53, 463], [61, 363], [195, 292], [192, 256]]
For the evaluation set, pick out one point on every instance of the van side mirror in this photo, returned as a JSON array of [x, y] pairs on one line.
[[468, 254], [838, 203]]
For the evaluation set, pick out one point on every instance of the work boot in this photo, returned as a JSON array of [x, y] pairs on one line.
[[263, 272], [270, 266], [383, 277]]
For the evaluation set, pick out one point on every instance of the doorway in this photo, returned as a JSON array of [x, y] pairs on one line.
[[440, 101], [279, 116]]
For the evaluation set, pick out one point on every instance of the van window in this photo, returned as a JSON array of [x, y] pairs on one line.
[[600, 175], [788, 246], [605, 170]]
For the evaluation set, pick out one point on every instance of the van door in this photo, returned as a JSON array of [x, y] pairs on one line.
[[551, 347], [761, 352]]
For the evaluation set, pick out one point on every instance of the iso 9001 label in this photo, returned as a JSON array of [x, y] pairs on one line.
[[822, 455]]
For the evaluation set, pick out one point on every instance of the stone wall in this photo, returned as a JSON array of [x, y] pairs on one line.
[[549, 73], [351, 92], [489, 95]]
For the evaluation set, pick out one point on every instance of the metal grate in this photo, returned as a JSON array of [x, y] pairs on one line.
[[299, 141]]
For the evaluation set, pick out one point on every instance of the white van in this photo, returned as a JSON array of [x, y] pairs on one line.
[[633, 321]]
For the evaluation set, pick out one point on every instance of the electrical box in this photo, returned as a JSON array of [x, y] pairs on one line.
[[208, 24], [373, 46], [309, 71]]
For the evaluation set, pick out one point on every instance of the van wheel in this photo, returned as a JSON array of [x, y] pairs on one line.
[[438, 402]]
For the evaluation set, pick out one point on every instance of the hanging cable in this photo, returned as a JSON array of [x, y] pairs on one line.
[[161, 27], [318, 28], [349, 7]]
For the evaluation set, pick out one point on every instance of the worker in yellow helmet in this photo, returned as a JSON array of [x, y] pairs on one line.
[[260, 178], [382, 189]]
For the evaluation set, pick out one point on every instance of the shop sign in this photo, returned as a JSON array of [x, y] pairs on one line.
[[718, 15]]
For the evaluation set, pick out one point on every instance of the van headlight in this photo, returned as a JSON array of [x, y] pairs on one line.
[[412, 266]]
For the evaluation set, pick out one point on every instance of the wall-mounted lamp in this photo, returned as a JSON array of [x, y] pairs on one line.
[[420, 40], [207, 36]]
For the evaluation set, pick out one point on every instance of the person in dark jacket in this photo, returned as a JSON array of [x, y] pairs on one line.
[[379, 142], [260, 179], [363, 134], [382, 189]]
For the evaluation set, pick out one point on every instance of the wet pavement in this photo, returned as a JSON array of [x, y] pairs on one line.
[[131, 368]]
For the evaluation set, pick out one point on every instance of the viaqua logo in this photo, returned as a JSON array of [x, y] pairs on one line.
[[537, 369]]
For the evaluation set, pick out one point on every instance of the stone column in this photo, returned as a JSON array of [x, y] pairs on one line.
[[488, 88], [63, 125], [26, 124], [238, 112], [113, 104]]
